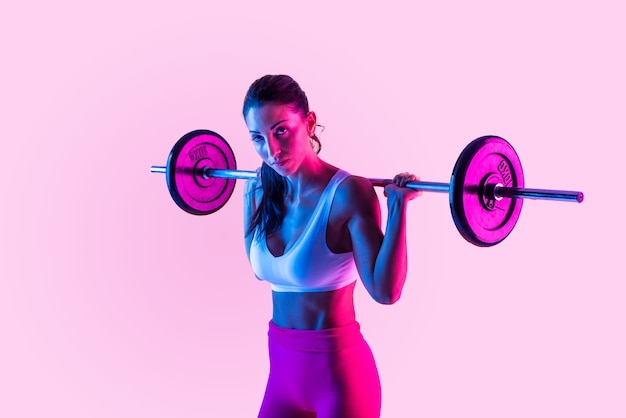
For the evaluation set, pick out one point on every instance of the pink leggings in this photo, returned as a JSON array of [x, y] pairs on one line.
[[328, 373]]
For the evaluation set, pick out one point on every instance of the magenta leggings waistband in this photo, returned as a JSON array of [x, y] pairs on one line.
[[323, 340]]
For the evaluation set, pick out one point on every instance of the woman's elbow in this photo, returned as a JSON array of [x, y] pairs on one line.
[[387, 298]]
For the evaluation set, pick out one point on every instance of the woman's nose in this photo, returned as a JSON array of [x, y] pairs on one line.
[[273, 149]]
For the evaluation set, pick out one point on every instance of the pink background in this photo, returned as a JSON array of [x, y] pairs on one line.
[[115, 303]]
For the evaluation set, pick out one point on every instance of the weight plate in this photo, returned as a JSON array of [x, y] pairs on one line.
[[193, 192], [485, 162]]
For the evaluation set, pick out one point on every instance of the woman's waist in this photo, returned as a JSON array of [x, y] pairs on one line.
[[316, 340], [314, 310]]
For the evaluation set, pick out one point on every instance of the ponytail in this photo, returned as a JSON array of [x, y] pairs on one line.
[[271, 209]]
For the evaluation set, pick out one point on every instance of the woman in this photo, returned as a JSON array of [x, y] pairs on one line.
[[311, 230]]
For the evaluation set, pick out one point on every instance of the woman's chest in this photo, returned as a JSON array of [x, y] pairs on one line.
[[317, 219]]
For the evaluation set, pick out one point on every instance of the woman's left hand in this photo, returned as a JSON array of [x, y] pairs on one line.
[[398, 190]]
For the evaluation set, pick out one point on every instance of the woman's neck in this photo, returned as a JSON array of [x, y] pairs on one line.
[[310, 177]]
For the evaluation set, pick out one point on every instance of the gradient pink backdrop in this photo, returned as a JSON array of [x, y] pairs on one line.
[[115, 303]]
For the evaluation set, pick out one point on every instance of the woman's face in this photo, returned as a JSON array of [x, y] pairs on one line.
[[281, 136]]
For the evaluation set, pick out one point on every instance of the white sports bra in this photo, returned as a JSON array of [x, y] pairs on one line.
[[308, 266]]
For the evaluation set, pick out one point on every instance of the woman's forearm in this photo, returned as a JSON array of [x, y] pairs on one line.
[[390, 269]]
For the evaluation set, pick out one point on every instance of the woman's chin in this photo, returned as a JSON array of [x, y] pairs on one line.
[[283, 168]]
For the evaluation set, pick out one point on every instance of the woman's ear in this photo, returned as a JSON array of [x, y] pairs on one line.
[[311, 123]]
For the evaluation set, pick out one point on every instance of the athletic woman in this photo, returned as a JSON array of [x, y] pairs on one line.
[[312, 230]]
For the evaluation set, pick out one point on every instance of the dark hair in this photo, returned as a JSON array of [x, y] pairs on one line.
[[277, 89]]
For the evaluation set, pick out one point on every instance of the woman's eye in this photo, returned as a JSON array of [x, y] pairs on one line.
[[281, 131], [257, 138]]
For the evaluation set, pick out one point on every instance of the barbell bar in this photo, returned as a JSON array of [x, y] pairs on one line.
[[486, 187], [498, 192]]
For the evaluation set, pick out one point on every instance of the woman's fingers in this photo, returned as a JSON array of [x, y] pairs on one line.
[[398, 186]]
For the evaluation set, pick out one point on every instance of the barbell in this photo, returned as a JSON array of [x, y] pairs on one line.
[[486, 189]]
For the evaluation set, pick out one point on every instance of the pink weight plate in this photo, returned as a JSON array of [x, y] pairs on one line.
[[485, 162], [190, 156]]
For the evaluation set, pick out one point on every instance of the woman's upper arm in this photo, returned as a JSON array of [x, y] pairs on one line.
[[364, 225]]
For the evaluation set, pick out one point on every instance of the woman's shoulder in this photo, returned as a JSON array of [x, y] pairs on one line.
[[352, 184], [355, 191], [253, 182], [253, 188]]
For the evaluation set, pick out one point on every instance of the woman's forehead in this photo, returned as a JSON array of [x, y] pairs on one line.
[[270, 114]]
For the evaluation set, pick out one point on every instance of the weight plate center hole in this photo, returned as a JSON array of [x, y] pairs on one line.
[[200, 169], [487, 191]]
